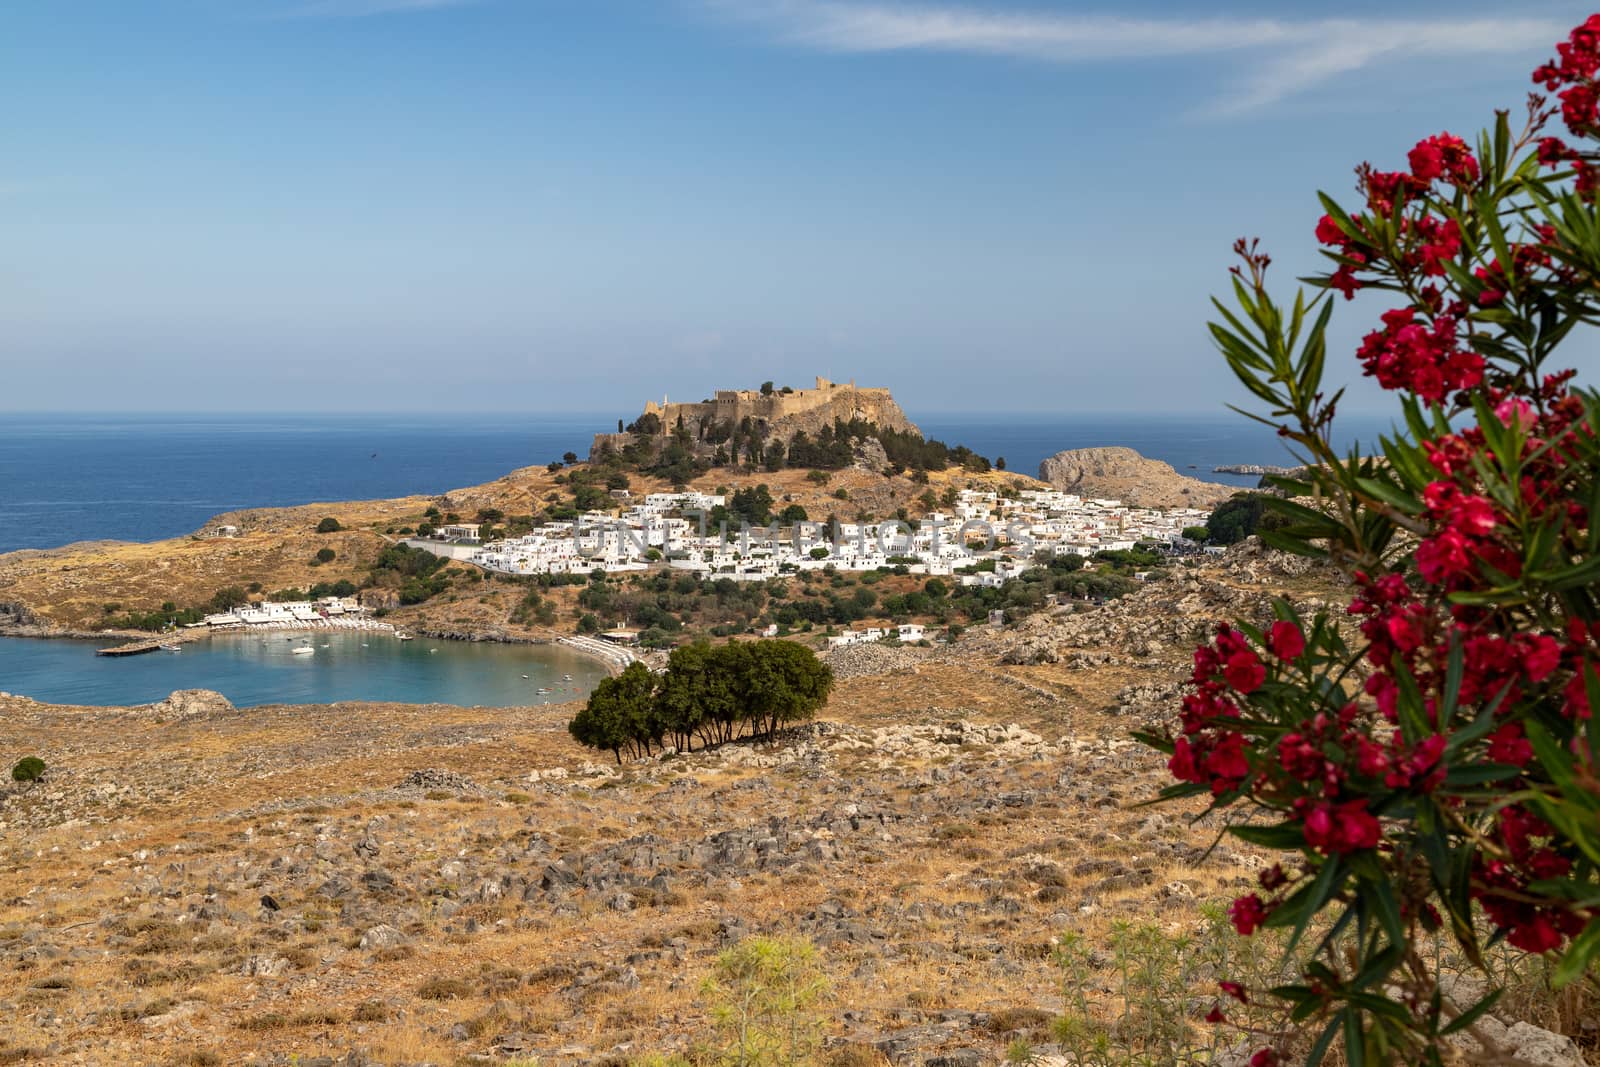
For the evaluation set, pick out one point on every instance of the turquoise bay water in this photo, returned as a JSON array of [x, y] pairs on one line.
[[253, 669]]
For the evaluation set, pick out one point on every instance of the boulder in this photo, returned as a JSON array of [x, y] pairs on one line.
[[188, 703]]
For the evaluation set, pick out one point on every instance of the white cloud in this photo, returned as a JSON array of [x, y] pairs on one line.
[[1284, 56]]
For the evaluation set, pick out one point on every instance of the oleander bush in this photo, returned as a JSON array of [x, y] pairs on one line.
[[1428, 753]]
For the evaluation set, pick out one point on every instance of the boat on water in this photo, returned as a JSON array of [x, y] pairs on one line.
[[172, 648], [305, 650], [404, 637]]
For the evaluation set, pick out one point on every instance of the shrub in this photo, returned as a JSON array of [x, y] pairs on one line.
[[329, 525], [764, 994], [1436, 777], [28, 769], [326, 555]]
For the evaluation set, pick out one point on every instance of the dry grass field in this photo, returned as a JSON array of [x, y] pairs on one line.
[[196, 884]]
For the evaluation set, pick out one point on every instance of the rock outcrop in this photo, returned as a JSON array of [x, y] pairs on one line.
[[773, 416], [188, 703], [1123, 474]]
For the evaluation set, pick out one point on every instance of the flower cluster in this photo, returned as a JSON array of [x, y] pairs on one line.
[[1424, 358], [1571, 77], [1424, 242], [1456, 734]]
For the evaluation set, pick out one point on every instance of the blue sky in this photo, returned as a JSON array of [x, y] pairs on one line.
[[535, 204]]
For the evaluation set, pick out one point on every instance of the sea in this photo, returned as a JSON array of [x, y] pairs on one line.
[[89, 477]]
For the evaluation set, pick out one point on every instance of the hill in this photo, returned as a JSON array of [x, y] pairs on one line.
[[1123, 474]]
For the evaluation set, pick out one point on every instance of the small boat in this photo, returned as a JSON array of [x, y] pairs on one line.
[[324, 646], [404, 637], [524, 675], [566, 677], [431, 651], [305, 650], [172, 648]]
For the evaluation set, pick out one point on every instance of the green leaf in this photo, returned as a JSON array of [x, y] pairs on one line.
[[1575, 961], [1472, 1014]]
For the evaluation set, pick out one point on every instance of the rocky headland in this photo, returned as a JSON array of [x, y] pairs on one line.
[[1123, 474]]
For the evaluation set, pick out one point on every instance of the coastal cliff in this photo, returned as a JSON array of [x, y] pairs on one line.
[[1123, 474]]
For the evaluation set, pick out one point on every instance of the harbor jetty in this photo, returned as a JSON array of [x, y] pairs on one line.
[[1253, 468], [132, 648]]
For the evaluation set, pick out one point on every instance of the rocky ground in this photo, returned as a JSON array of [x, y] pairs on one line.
[[388, 884]]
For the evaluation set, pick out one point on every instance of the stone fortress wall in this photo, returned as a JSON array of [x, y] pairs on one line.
[[781, 415]]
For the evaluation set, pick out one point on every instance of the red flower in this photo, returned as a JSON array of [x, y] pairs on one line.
[[1344, 828], [1285, 640], [1247, 914], [1443, 155], [1182, 763], [1244, 671], [1541, 655], [1538, 934], [1264, 1058], [1235, 990], [1419, 357], [1328, 231], [1226, 764], [1445, 557], [1507, 745]]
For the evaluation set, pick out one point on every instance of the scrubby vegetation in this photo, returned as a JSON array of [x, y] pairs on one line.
[[675, 454], [414, 572], [28, 769]]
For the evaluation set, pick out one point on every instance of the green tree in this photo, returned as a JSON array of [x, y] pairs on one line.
[[1236, 518], [228, 598], [618, 714], [782, 682], [698, 695], [329, 525], [326, 555]]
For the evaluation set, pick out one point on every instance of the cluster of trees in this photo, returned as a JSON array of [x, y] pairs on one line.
[[343, 587], [713, 693], [169, 615], [746, 442], [827, 451], [414, 571], [668, 605], [914, 452], [1239, 516]]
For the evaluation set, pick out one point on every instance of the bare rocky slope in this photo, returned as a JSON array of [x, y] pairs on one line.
[[1123, 474], [358, 885]]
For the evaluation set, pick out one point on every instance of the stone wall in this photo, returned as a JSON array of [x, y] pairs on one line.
[[780, 415]]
